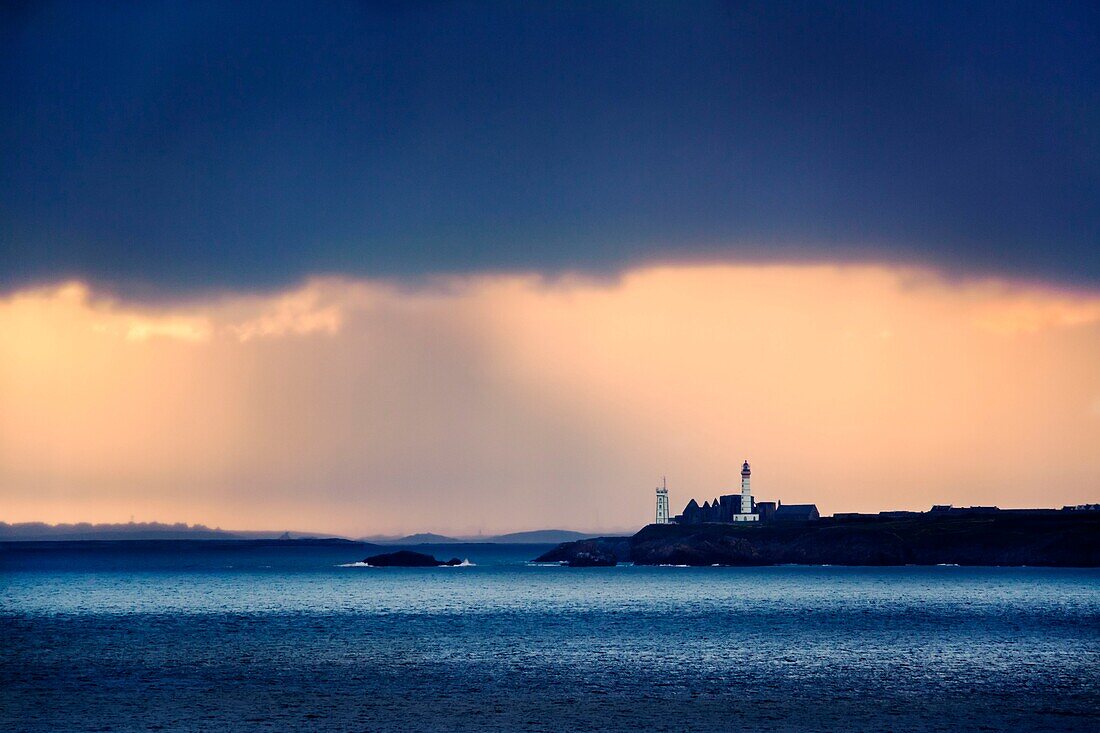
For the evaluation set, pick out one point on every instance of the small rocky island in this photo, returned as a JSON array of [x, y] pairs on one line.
[[1058, 539], [408, 559]]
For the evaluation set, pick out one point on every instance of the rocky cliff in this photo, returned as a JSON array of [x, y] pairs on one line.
[[1063, 540]]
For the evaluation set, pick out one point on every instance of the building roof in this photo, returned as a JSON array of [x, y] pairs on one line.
[[797, 511]]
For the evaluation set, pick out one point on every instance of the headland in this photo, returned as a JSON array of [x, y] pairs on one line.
[[1002, 538]]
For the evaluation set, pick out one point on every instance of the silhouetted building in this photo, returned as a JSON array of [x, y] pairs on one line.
[[730, 508], [722, 509], [948, 509], [744, 508], [766, 510], [797, 513]]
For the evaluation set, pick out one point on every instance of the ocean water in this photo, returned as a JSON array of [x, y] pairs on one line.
[[187, 637]]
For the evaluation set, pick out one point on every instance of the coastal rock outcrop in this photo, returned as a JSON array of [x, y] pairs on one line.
[[592, 554], [580, 552], [408, 559]]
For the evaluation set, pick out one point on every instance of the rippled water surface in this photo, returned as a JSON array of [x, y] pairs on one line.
[[172, 636]]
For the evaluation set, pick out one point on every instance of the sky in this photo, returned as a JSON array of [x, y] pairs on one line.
[[462, 267]]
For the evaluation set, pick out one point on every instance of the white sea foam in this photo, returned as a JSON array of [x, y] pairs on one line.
[[464, 564]]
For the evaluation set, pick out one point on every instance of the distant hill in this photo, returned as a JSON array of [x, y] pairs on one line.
[[534, 537], [32, 531], [39, 531], [538, 537], [421, 538]]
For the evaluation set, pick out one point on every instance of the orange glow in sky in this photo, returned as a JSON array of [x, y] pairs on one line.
[[503, 403]]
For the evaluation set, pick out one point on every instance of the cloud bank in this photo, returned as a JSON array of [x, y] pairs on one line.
[[160, 150]]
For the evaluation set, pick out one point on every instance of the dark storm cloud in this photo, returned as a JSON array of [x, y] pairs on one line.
[[187, 147]]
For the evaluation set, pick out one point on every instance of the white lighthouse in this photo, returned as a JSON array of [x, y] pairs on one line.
[[662, 502], [747, 514], [746, 492]]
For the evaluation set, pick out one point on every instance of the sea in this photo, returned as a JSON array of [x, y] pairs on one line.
[[194, 636]]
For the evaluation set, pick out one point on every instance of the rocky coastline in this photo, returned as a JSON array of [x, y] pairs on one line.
[[1052, 540]]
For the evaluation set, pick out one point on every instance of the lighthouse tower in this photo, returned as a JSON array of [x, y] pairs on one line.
[[746, 492], [662, 502]]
